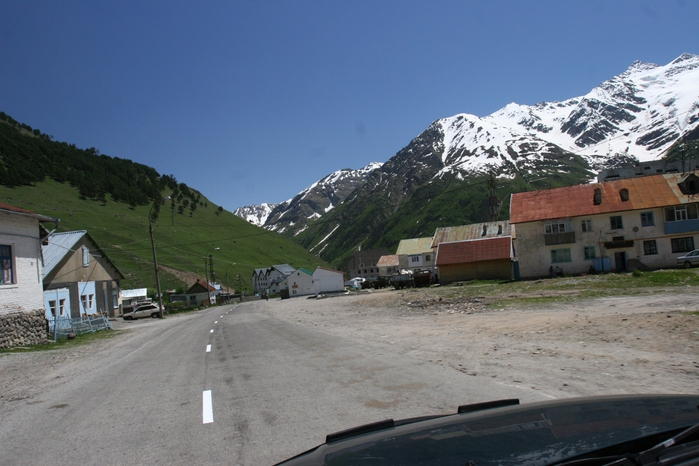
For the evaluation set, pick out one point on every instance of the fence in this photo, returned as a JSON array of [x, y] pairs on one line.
[[60, 327]]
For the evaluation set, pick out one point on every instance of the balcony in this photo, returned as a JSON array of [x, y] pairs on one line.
[[559, 238], [682, 226]]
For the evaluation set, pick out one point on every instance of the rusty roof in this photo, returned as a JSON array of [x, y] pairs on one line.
[[473, 231], [572, 201], [388, 261], [477, 250], [414, 246]]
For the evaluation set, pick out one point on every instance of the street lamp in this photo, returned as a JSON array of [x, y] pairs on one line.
[[206, 269], [155, 258]]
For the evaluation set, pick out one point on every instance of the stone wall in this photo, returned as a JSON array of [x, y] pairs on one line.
[[23, 329]]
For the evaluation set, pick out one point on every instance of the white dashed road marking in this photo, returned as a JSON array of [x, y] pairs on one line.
[[212, 331], [208, 409], [208, 348]]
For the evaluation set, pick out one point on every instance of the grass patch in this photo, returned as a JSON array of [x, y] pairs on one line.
[[79, 340]]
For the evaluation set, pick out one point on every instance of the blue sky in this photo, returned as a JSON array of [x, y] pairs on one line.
[[252, 101]]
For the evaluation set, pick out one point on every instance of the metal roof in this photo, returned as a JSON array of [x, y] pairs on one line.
[[478, 250], [18, 210], [388, 261], [60, 244], [572, 201], [473, 231], [414, 246], [284, 269]]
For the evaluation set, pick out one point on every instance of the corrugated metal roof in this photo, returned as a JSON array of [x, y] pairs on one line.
[[414, 246], [284, 269], [469, 232], [59, 245], [646, 192], [388, 261], [463, 252]]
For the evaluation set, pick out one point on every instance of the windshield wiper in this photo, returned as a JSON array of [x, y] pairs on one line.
[[675, 450]]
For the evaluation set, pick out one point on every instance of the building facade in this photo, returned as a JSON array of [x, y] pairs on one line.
[[622, 225], [22, 312]]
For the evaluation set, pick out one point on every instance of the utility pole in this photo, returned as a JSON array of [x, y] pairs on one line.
[[493, 201]]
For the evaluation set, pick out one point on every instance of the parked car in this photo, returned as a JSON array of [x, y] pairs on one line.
[[142, 310], [621, 429], [690, 259]]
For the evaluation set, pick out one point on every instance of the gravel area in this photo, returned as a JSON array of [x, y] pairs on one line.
[[647, 343]]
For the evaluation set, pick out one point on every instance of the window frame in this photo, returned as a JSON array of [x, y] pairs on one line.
[[616, 222], [8, 276], [566, 255], [589, 253], [86, 256], [647, 219], [586, 225], [650, 247], [684, 244], [553, 227]]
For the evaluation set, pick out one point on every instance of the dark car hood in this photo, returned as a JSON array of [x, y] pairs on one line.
[[532, 434]]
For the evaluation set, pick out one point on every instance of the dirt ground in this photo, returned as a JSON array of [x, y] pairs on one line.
[[647, 343]]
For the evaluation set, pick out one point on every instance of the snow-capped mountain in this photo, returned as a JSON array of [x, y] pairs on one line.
[[292, 215], [636, 116], [255, 214]]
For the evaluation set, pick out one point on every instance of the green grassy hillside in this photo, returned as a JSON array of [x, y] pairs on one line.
[[181, 240]]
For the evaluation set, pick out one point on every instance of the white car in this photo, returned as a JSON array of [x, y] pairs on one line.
[[690, 259], [142, 310]]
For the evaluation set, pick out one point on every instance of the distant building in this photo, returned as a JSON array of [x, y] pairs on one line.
[[416, 254], [299, 283], [475, 259], [388, 265], [365, 264], [328, 280], [655, 167]]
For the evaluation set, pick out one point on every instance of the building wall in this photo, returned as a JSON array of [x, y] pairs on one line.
[[326, 281], [486, 270], [425, 261], [22, 302], [299, 284], [535, 256]]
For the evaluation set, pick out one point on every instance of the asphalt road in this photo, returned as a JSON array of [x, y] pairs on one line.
[[228, 385]]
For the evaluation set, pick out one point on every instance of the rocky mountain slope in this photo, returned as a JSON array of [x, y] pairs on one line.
[[636, 116]]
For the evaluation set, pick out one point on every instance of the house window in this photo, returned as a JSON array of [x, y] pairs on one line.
[[91, 300], [647, 219], [589, 252], [682, 244], [560, 255], [680, 213], [624, 194], [414, 258], [428, 258], [558, 226], [587, 225], [616, 222], [52, 307], [83, 298], [86, 256], [650, 247], [8, 276], [115, 298]]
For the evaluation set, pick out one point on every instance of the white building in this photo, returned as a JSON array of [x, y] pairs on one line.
[[328, 280], [21, 290], [637, 223], [299, 283]]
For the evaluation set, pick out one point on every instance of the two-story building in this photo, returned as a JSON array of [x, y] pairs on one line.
[[416, 254], [622, 225]]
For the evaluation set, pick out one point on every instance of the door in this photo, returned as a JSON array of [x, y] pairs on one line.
[[620, 261], [57, 304]]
